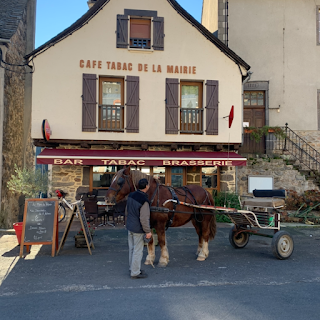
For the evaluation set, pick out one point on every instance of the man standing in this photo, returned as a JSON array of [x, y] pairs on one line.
[[138, 225]]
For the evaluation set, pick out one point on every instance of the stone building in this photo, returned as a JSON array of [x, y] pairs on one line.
[[131, 88], [17, 35], [281, 39]]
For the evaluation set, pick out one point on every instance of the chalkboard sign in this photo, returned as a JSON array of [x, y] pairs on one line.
[[40, 223], [84, 223], [79, 212]]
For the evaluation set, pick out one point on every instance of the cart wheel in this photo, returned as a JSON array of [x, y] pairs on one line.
[[238, 241], [282, 245]]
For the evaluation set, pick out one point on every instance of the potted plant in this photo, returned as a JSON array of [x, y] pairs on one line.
[[29, 183], [79, 238], [257, 133]]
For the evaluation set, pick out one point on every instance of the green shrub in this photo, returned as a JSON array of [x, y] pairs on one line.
[[28, 181], [225, 199]]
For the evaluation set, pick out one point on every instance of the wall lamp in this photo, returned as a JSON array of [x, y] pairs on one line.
[[278, 108]]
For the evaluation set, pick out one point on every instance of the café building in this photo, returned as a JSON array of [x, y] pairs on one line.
[[137, 83]]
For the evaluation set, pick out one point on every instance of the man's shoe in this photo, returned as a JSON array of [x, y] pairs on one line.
[[141, 271], [140, 276]]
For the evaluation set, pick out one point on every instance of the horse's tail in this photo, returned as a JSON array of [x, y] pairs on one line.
[[212, 223]]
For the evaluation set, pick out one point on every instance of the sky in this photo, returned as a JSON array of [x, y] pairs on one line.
[[52, 17]]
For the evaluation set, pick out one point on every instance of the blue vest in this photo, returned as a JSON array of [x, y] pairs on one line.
[[134, 203]]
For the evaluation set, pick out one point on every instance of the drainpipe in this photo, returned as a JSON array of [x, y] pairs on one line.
[[2, 57], [249, 73]]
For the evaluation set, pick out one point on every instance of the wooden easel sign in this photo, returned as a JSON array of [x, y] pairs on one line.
[[40, 224], [85, 228]]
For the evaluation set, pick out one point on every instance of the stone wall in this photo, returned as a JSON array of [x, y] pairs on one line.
[[284, 176], [13, 135], [311, 137], [69, 179]]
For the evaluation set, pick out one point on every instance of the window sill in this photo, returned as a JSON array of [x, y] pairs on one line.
[[141, 50]]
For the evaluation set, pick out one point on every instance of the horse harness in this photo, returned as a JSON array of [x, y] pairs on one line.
[[186, 190], [177, 202]]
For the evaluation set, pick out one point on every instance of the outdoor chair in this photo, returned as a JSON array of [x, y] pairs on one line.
[[91, 210]]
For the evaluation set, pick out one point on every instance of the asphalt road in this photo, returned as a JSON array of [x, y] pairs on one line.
[[247, 283]]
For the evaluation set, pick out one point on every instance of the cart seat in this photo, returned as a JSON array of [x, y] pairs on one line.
[[264, 202]]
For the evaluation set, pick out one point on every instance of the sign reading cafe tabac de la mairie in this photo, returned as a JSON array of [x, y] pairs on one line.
[[135, 162], [142, 67]]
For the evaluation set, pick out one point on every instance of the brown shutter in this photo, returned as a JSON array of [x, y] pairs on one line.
[[172, 106], [122, 31], [132, 105], [89, 102], [158, 33], [212, 106]]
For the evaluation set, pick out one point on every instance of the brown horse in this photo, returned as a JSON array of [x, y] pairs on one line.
[[126, 181]]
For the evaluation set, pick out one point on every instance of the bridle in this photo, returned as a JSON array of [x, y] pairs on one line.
[[121, 183]]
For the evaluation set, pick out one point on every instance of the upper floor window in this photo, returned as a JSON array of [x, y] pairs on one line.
[[140, 33], [111, 104], [188, 110], [191, 112], [140, 29]]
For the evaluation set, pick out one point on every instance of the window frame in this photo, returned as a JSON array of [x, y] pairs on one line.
[[116, 107], [132, 38], [200, 130]]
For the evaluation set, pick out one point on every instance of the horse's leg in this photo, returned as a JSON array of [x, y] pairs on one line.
[[206, 234], [164, 258], [151, 253], [197, 226]]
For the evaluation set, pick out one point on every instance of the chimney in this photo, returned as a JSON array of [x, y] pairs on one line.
[[91, 3], [210, 15]]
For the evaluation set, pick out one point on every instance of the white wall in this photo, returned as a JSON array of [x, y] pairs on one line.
[[57, 81], [278, 39]]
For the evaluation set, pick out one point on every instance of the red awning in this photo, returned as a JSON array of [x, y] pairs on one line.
[[138, 158]]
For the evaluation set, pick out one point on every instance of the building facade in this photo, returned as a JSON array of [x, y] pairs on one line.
[[138, 83], [17, 36], [281, 39]]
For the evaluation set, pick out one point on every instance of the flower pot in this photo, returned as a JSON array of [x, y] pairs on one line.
[[80, 241], [18, 229]]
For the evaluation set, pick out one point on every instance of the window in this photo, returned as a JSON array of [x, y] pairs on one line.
[[146, 30], [177, 177], [102, 176], [210, 176], [253, 98], [190, 107], [160, 174], [140, 33], [191, 113], [111, 104]]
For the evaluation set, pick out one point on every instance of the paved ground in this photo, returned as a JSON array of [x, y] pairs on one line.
[[249, 283]]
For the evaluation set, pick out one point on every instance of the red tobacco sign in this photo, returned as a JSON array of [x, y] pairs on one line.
[[46, 131]]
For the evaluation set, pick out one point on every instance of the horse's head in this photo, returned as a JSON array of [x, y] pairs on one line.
[[121, 186]]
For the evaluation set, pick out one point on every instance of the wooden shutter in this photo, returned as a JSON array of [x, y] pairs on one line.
[[212, 107], [172, 106], [158, 33], [122, 31], [89, 102], [132, 105]]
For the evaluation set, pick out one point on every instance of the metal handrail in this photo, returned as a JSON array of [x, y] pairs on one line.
[[191, 120], [111, 117], [296, 146]]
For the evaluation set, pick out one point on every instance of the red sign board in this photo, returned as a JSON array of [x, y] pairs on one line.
[[138, 158], [46, 131]]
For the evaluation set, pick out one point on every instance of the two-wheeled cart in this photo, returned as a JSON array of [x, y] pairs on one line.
[[255, 222]]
